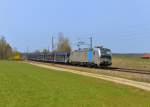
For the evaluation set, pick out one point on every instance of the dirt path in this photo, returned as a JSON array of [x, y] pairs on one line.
[[141, 85]]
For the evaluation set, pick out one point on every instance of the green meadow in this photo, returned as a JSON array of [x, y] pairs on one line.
[[24, 85]]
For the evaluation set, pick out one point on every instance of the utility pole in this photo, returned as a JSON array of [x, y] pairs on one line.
[[91, 42], [48, 48], [52, 43], [27, 52]]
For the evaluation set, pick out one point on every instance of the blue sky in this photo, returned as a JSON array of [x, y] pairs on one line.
[[121, 25]]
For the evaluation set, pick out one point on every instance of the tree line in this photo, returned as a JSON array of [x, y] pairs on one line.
[[6, 51]]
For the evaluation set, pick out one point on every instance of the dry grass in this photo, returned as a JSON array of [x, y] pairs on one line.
[[131, 62]]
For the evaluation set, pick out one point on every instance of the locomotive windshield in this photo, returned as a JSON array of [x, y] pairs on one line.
[[105, 51]]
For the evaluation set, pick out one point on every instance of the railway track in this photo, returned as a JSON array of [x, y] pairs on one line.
[[127, 70], [146, 72], [113, 69]]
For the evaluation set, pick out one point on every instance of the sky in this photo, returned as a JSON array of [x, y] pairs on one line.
[[121, 25]]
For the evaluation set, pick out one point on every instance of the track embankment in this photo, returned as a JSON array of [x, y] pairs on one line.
[[140, 85]]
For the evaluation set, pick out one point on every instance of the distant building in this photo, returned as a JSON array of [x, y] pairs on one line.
[[146, 56]]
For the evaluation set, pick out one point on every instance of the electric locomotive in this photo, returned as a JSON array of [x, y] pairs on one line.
[[97, 56]]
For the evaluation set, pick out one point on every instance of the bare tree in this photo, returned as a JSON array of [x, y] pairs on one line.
[[63, 44]]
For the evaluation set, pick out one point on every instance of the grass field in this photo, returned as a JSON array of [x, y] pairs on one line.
[[131, 62], [24, 85]]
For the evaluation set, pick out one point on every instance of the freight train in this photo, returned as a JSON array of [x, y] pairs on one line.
[[98, 56]]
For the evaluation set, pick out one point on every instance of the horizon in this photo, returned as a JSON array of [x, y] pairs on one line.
[[122, 26]]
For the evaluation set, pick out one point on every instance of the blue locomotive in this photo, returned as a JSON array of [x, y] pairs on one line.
[[97, 56]]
